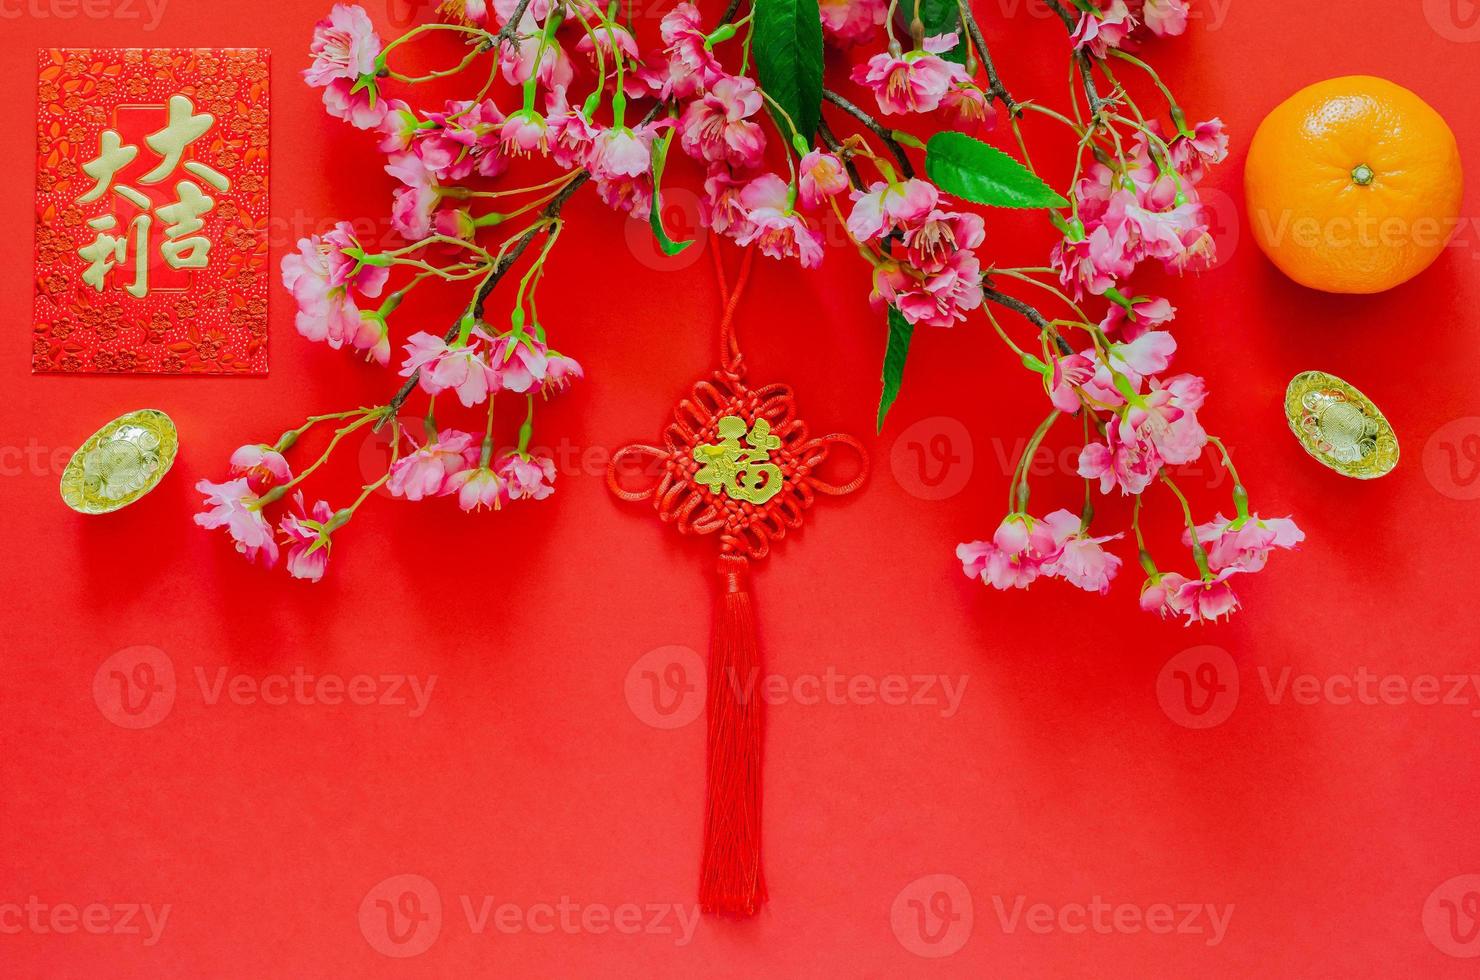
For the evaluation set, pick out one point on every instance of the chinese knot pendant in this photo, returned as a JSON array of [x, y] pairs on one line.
[[735, 462]]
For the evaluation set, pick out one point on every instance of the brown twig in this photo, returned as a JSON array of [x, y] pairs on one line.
[[1086, 66], [994, 81], [874, 126], [1025, 310]]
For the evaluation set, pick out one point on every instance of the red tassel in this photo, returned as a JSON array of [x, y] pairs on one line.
[[730, 880]]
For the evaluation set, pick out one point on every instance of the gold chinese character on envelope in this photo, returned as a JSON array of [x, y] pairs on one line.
[[151, 211]]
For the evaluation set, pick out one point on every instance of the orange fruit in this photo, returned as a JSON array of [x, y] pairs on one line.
[[1353, 185]]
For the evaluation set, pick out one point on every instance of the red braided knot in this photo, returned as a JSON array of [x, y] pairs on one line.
[[745, 528]]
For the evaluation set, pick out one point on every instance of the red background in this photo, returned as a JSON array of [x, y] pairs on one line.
[[531, 776]]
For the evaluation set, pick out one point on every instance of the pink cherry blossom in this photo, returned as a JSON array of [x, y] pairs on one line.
[[262, 465], [1121, 460], [234, 506], [775, 226], [1148, 354], [1108, 28], [720, 208], [522, 60], [694, 65], [1188, 391], [526, 476], [932, 243], [630, 195], [560, 372], [1067, 375], [1155, 431], [425, 472], [717, 128], [917, 81], [413, 204], [1165, 18], [443, 366], [344, 270], [1199, 600], [538, 9], [326, 310], [936, 299], [1244, 544], [611, 38], [620, 152], [820, 176], [399, 127], [360, 106], [884, 208], [1206, 147], [477, 488], [525, 132], [846, 22], [971, 108], [517, 363], [307, 538], [373, 337], [571, 135], [1095, 263], [472, 12], [1081, 560], [467, 138], [1146, 313], [1015, 556], [344, 46]]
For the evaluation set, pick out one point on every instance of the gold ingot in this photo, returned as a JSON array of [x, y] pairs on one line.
[[121, 462], [1340, 426]]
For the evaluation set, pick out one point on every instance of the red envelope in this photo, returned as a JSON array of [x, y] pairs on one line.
[[151, 211]]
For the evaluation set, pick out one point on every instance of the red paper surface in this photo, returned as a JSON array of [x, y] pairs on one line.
[[559, 755], [126, 281]]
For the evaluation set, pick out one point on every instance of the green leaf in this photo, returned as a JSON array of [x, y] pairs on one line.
[[655, 213], [983, 174], [901, 331], [939, 17], [788, 60]]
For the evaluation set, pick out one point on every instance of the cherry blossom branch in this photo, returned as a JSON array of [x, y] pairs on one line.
[[874, 126], [496, 274], [994, 81], [1086, 67], [1027, 311]]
